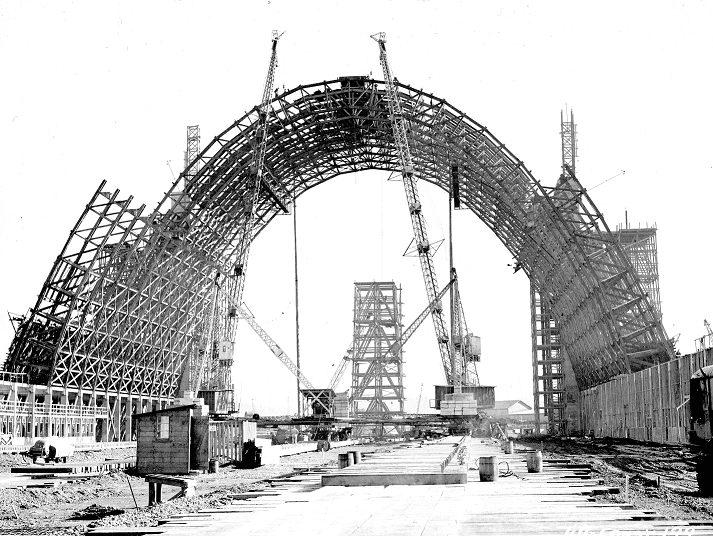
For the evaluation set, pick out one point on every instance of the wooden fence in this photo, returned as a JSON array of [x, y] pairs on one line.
[[649, 405], [227, 438]]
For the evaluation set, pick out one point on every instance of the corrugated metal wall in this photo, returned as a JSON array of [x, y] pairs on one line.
[[650, 405]]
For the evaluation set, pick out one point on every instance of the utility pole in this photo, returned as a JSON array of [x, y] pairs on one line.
[[297, 306]]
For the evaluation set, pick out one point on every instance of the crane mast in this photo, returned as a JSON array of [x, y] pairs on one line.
[[418, 222], [255, 175], [465, 354]]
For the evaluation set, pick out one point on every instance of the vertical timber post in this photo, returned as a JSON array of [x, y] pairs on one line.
[[297, 304]]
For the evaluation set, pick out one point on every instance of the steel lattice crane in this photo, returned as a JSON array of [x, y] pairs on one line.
[[454, 369], [257, 174], [258, 179], [418, 405], [243, 312], [246, 315], [342, 367], [465, 352], [224, 326]]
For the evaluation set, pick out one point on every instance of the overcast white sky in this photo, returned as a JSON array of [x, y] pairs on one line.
[[97, 90]]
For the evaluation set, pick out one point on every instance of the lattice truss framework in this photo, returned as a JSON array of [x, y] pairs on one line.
[[377, 374], [126, 303], [548, 356], [640, 246], [548, 360]]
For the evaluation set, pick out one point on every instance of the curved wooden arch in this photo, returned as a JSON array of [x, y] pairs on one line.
[[148, 300]]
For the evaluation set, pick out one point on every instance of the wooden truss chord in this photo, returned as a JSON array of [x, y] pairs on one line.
[[126, 304]]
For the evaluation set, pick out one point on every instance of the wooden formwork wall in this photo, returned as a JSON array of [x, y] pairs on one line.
[[649, 405]]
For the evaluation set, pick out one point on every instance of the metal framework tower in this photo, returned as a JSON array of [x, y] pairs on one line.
[[568, 133], [377, 371], [193, 149]]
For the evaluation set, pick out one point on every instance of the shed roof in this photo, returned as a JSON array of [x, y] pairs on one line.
[[704, 372], [165, 410], [505, 404]]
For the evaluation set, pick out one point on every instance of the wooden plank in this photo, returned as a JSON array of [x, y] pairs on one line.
[[170, 480], [124, 531], [391, 479], [33, 469]]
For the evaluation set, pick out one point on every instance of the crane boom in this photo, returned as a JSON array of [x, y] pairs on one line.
[[272, 345], [398, 343], [409, 331], [337, 377], [418, 222]]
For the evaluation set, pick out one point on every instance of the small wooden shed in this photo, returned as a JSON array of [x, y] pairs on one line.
[[176, 440]]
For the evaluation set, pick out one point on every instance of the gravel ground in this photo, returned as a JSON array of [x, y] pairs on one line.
[[644, 463], [107, 500]]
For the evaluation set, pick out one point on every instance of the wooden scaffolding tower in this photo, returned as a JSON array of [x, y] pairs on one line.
[[377, 374], [640, 245], [550, 361]]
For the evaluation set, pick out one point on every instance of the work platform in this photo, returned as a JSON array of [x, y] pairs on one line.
[[559, 500], [420, 465]]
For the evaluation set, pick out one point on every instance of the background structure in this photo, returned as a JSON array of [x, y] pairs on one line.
[[101, 93]]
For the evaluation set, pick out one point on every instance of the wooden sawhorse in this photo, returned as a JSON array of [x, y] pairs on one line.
[[156, 483]]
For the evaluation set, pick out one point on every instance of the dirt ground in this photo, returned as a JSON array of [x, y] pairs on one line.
[[107, 500], [661, 478]]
